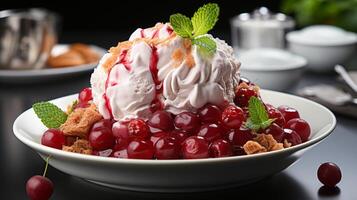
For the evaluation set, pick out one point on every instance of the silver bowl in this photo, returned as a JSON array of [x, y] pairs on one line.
[[27, 37]]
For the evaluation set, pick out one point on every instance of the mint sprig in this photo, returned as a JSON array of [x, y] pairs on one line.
[[50, 115], [202, 21], [182, 25], [205, 44], [258, 115]]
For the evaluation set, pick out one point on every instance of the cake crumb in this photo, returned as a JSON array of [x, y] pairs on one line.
[[286, 144], [252, 147], [80, 121], [277, 146], [80, 146]]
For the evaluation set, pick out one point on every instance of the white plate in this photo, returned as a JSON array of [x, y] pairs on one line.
[[179, 175], [40, 75]]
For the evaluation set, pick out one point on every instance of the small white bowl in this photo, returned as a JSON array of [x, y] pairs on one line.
[[323, 46], [273, 69], [179, 175]]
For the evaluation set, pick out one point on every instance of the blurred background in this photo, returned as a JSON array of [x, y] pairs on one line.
[[126, 16]]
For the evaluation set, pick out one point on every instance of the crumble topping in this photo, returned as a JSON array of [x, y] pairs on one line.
[[286, 144], [80, 121], [252, 147], [268, 142], [79, 146], [262, 143]]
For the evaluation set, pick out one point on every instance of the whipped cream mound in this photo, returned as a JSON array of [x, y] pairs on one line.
[[156, 69]]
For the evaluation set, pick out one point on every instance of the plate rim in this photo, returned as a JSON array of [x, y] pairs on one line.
[[12, 73], [108, 160]]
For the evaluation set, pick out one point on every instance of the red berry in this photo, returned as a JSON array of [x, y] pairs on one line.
[[277, 115], [138, 129], [140, 149], [243, 95], [102, 124], [53, 138], [82, 105], [291, 137], [233, 117], [210, 132], [120, 130], [239, 137], [276, 131], [288, 112], [301, 127], [195, 147], [179, 135], [39, 188], [187, 121], [167, 148], [156, 136], [161, 120], [120, 154], [85, 95], [224, 130], [329, 174], [220, 148], [244, 80], [101, 139], [210, 113], [120, 143]]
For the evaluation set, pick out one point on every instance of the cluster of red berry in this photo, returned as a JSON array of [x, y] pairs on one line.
[[210, 132]]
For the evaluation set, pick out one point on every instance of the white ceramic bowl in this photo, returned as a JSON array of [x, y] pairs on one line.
[[179, 175], [322, 46], [272, 69]]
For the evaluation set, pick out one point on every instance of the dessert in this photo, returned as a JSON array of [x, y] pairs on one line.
[[172, 91], [77, 54]]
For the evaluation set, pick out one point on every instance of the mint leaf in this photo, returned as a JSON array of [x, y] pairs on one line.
[[50, 115], [182, 25], [205, 44], [204, 19], [258, 115], [257, 110]]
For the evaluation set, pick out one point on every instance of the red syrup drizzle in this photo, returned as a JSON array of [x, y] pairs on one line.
[[105, 97], [169, 30], [156, 103], [142, 34], [155, 34], [122, 60]]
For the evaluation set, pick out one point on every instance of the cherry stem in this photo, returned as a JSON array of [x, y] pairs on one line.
[[45, 171]]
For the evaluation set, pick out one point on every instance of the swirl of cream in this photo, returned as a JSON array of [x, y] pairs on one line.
[[209, 80], [189, 79]]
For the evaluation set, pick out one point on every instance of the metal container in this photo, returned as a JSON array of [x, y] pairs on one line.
[[261, 28], [26, 38]]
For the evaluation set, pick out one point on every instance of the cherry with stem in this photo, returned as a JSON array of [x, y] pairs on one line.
[[39, 187]]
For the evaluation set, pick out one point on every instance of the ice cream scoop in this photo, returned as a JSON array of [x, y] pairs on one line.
[[157, 69]]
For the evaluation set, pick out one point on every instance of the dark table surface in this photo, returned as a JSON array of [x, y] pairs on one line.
[[18, 162]]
